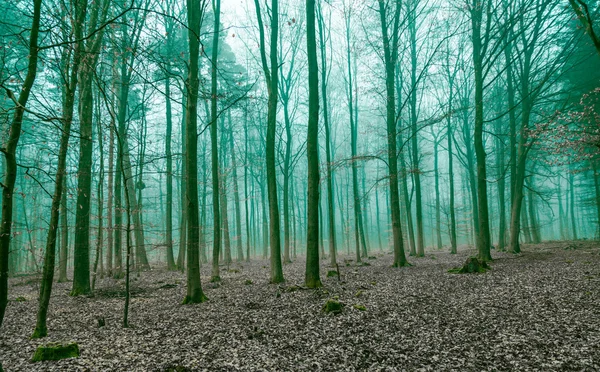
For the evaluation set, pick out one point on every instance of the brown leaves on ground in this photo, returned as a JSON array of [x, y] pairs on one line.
[[538, 310]]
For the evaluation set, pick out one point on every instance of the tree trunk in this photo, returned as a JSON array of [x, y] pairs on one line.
[[246, 195], [483, 241], [169, 159], [215, 275], [100, 206], [438, 217], [236, 195], [572, 205], [183, 182], [10, 171], [416, 171], [194, 287], [312, 277], [390, 46], [272, 77], [326, 124], [223, 194], [450, 139], [64, 235]]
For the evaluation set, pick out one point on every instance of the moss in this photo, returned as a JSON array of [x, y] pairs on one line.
[[364, 264], [331, 273], [248, 282], [472, 265], [358, 294], [333, 306], [372, 258], [198, 299], [20, 299], [360, 307], [234, 271], [56, 351]]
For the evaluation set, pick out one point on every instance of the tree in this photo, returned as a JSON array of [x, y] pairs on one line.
[[312, 278], [583, 14], [215, 276], [389, 32], [480, 46], [272, 77], [92, 47], [9, 152], [328, 140], [195, 11]]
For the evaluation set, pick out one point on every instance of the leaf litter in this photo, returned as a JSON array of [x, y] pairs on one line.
[[538, 310]]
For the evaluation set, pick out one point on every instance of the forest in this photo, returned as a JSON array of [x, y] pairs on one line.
[[299, 185]]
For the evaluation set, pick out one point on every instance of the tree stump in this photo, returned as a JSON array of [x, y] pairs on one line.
[[472, 265]]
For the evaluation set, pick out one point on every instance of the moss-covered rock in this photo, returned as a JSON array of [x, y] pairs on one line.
[[472, 265], [20, 299], [248, 282], [360, 307], [56, 351], [331, 273], [333, 306]]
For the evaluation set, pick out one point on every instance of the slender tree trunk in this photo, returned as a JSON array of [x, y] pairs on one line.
[[109, 200], [183, 222], [100, 196], [501, 188], [416, 171], [312, 277], [10, 175], [438, 216], [223, 194], [194, 286], [169, 159], [286, 181], [215, 275], [390, 46], [483, 241], [572, 205], [326, 124], [236, 195], [64, 235], [272, 77], [246, 195], [353, 146], [450, 139]]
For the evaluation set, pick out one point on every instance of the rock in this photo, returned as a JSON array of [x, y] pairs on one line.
[[333, 306], [56, 351]]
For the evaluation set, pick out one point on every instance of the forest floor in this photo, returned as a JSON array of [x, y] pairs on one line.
[[539, 310]]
